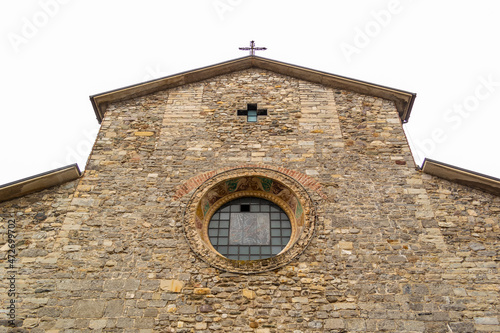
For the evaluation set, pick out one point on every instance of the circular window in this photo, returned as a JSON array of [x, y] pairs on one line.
[[249, 229], [249, 220]]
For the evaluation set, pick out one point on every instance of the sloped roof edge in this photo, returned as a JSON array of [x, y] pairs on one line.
[[39, 182], [402, 99], [462, 176]]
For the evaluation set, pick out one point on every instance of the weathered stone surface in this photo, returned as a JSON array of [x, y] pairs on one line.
[[174, 286], [186, 309], [394, 250], [114, 308], [477, 246], [249, 294], [486, 320], [88, 309], [201, 291], [98, 324], [31, 253], [335, 323], [206, 308]]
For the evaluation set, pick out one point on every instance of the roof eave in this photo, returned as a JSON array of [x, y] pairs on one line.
[[39, 182], [462, 176]]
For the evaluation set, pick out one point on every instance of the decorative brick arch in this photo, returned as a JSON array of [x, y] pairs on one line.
[[194, 182], [225, 185]]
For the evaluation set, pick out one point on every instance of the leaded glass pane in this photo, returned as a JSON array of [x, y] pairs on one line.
[[275, 224], [249, 229]]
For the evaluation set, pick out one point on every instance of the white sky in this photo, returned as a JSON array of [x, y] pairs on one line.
[[55, 53]]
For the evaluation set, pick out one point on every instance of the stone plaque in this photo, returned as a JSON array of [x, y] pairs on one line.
[[249, 229]]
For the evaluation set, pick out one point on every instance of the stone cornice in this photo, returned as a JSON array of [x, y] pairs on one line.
[[39, 182], [462, 176]]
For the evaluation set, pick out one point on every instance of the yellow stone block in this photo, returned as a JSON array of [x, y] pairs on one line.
[[144, 133], [202, 291], [471, 212], [345, 245], [174, 286], [249, 294], [200, 326], [194, 158], [84, 188]]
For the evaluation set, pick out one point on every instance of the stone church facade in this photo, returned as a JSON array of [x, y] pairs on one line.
[[373, 244]]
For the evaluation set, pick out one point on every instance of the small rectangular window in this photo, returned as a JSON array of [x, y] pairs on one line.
[[252, 116]]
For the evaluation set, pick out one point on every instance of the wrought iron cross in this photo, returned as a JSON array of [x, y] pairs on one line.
[[252, 48], [252, 112]]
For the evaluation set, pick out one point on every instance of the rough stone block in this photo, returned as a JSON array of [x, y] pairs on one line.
[[201, 291], [345, 245], [98, 324], [335, 323], [114, 308], [486, 320], [303, 300], [88, 309], [200, 326], [356, 324], [125, 323], [249, 294], [187, 309], [144, 323], [174, 286]]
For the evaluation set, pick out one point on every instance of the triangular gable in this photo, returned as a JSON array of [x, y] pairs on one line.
[[402, 99]]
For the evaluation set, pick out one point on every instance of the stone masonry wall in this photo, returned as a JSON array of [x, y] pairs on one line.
[[37, 221], [394, 250]]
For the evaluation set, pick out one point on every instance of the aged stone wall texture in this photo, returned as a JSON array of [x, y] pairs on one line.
[[394, 250]]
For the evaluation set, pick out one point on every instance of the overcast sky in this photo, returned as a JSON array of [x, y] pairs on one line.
[[55, 53]]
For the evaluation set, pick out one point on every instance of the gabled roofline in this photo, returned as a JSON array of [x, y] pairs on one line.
[[39, 182], [462, 176], [403, 100]]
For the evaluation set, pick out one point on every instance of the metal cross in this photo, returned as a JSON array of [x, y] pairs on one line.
[[252, 112], [252, 48]]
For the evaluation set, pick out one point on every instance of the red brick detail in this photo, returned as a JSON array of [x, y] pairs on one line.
[[194, 182]]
